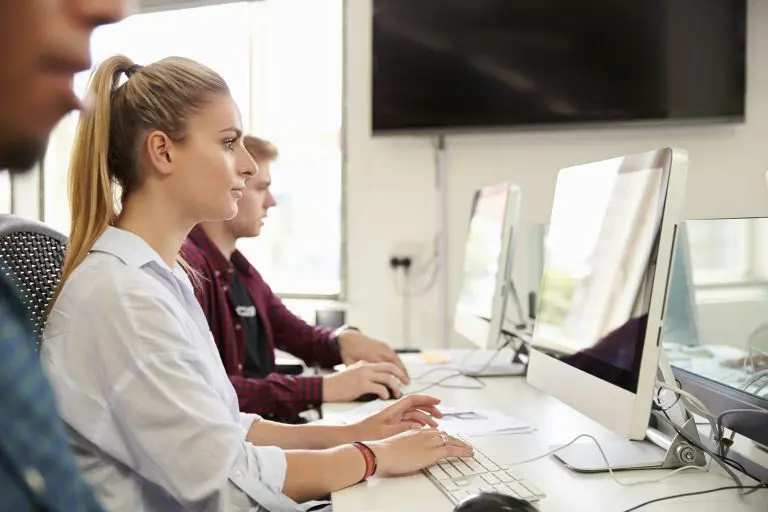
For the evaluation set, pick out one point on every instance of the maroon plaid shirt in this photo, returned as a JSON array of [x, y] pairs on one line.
[[276, 395]]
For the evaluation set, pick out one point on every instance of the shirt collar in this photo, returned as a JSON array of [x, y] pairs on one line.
[[200, 238], [130, 248]]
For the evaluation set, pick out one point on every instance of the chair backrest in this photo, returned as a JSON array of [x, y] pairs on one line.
[[32, 254]]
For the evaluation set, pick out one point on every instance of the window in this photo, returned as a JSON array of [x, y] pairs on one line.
[[720, 250], [299, 108], [728, 257], [283, 62]]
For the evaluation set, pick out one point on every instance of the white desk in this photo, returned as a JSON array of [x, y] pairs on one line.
[[566, 490]]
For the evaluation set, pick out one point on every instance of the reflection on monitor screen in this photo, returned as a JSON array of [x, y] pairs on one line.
[[481, 259], [599, 254]]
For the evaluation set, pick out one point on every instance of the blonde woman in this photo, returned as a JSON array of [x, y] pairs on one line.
[[152, 416]]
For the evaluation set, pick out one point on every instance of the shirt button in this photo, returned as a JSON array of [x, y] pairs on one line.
[[240, 367], [238, 475], [34, 480], [216, 273], [225, 288], [237, 327]]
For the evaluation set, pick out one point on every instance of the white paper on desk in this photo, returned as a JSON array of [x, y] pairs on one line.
[[461, 421], [474, 422], [353, 415]]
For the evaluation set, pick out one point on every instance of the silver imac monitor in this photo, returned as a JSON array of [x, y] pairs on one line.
[[681, 317], [607, 259], [487, 264]]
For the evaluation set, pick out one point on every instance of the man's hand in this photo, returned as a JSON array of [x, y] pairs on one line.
[[410, 412], [356, 346], [362, 378]]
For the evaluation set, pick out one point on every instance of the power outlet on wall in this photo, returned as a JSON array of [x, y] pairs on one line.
[[419, 253]]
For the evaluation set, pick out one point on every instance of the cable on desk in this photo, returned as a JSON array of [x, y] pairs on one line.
[[693, 403], [457, 373], [697, 493], [717, 438], [717, 434], [441, 383], [608, 464]]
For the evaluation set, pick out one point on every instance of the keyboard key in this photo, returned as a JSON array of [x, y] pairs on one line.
[[503, 476], [439, 474], [488, 477], [513, 475], [460, 465], [476, 466], [449, 485], [534, 490], [504, 489], [453, 472], [487, 464], [459, 495], [520, 490]]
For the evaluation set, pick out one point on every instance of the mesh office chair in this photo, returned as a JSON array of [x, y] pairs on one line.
[[32, 254]]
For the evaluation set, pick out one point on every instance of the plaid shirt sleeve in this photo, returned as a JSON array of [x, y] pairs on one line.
[[277, 395], [37, 468]]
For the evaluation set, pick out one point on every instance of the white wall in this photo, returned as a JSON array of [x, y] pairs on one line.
[[390, 181]]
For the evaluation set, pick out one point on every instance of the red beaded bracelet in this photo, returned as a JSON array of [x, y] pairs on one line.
[[371, 463]]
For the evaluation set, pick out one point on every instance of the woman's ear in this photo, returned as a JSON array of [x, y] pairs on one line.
[[159, 147]]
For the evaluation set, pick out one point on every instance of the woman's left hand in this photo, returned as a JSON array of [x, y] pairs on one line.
[[410, 412]]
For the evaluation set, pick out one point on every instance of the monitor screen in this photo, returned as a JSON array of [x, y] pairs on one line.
[[600, 255], [459, 65], [483, 250]]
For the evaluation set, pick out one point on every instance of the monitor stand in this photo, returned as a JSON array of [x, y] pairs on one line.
[[518, 366], [495, 370], [663, 447]]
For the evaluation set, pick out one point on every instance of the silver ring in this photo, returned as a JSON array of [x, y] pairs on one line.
[[444, 438]]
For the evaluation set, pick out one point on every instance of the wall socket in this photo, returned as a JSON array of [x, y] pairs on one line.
[[419, 252]]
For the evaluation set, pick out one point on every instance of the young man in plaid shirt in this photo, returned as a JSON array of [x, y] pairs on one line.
[[249, 321]]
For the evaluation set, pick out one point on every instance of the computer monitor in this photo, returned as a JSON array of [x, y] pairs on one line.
[[607, 259], [681, 318], [488, 256]]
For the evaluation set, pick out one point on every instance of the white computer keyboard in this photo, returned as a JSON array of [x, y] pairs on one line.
[[459, 478]]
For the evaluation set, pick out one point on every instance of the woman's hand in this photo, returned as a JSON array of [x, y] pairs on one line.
[[416, 449], [408, 413]]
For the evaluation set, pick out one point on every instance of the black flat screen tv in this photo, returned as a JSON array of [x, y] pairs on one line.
[[458, 65]]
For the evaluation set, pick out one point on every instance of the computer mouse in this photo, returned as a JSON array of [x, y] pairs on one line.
[[493, 502], [370, 397]]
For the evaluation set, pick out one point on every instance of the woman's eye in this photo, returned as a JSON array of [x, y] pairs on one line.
[[229, 143]]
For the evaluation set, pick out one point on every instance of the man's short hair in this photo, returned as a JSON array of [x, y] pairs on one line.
[[260, 150]]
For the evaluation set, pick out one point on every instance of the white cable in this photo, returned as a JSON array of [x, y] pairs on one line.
[[696, 404], [457, 369], [692, 399], [608, 464]]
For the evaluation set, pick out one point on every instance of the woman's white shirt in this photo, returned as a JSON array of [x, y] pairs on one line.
[[152, 416]]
